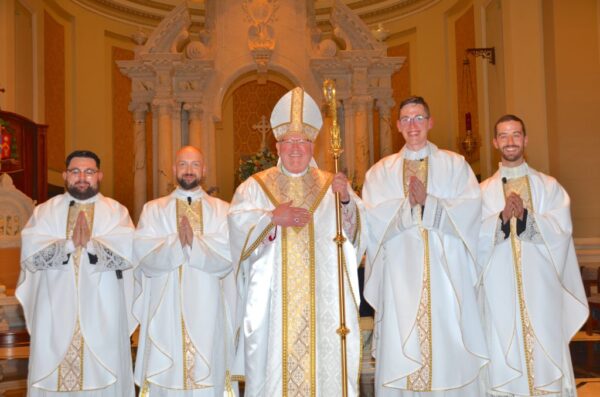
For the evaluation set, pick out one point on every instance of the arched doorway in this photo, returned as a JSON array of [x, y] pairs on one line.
[[247, 99]]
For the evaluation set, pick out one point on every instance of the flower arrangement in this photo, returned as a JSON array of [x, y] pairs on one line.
[[257, 162], [8, 144]]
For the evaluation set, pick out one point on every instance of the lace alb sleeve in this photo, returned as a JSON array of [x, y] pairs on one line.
[[108, 260], [501, 232], [531, 232], [350, 219], [54, 256]]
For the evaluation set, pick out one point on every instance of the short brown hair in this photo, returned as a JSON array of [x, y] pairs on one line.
[[509, 117], [414, 100]]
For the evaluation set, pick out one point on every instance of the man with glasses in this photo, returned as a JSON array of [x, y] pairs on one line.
[[76, 289], [181, 249], [423, 208], [282, 224], [534, 297]]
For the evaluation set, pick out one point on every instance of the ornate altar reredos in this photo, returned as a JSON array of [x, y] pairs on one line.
[[183, 77]]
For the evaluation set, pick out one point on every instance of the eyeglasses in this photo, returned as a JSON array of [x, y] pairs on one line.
[[87, 173], [418, 119], [295, 142]]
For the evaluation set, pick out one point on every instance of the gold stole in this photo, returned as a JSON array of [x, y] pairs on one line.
[[297, 277], [70, 370], [421, 379], [193, 212], [522, 188]]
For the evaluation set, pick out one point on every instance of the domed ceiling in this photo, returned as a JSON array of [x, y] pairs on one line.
[[151, 12]]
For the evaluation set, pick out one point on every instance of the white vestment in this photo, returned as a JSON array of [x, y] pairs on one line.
[[184, 327], [78, 314], [538, 293], [423, 268], [288, 279]]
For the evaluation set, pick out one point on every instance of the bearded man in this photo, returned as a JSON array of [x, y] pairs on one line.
[[533, 294], [182, 255], [76, 289]]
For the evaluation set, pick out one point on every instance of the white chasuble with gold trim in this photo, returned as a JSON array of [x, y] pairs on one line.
[[288, 283], [524, 275], [421, 275], [70, 370], [78, 300], [185, 332]]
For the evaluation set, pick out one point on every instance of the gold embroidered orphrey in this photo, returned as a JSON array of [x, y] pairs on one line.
[[193, 212], [421, 379], [70, 370], [522, 187], [298, 277]]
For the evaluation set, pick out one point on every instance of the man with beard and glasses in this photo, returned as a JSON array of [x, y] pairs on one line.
[[533, 296], [181, 250], [76, 289]]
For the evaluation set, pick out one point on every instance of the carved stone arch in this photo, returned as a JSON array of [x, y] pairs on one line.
[[170, 33], [248, 71]]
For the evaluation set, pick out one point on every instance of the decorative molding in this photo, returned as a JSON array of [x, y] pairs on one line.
[[261, 35], [170, 33], [350, 28]]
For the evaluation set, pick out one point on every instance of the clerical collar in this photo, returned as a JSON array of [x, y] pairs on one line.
[[90, 200], [416, 155], [514, 172], [287, 173], [194, 195]]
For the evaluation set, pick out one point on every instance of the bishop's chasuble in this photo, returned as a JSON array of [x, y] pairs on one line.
[[421, 275], [534, 296], [185, 335], [288, 283], [77, 302]]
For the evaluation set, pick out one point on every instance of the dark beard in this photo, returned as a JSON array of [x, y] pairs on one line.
[[89, 192], [513, 157], [188, 185]]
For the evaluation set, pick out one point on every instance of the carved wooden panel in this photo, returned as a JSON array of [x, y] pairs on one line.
[[28, 168]]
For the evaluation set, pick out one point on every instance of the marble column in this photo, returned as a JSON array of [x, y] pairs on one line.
[[194, 110], [139, 176], [165, 145], [348, 142], [361, 137], [386, 141]]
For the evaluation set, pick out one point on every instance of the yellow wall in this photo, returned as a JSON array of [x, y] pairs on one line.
[[87, 81], [572, 60]]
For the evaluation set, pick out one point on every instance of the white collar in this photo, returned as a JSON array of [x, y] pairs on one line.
[[416, 155], [90, 200], [183, 194], [285, 172], [514, 172]]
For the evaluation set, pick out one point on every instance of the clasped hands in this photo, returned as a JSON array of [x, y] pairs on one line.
[[513, 207], [417, 193], [185, 231], [287, 215], [81, 231]]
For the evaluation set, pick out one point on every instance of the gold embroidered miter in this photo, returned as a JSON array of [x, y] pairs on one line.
[[296, 111]]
